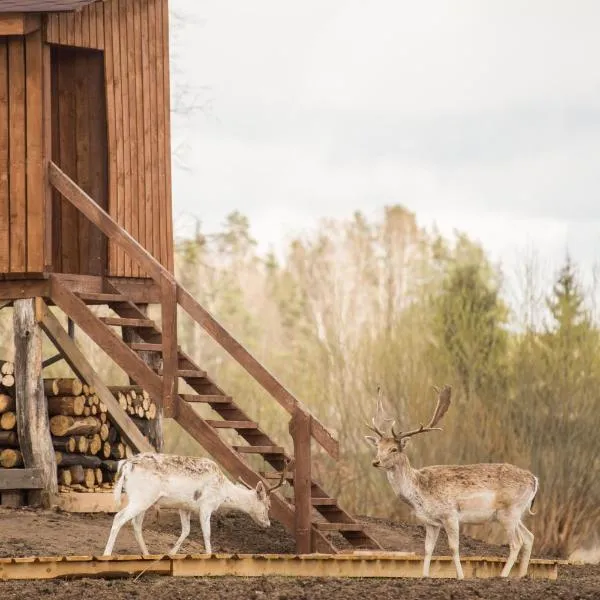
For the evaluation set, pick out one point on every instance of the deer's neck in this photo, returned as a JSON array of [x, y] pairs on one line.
[[402, 478], [235, 496]]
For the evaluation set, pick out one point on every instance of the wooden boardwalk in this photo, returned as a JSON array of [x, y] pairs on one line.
[[356, 564]]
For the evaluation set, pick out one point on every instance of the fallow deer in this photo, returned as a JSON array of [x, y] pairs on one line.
[[189, 484], [448, 495]]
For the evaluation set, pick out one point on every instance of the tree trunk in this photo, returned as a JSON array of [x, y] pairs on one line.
[[152, 359], [32, 412]]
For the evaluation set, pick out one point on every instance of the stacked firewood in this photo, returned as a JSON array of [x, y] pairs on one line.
[[87, 444], [10, 455]]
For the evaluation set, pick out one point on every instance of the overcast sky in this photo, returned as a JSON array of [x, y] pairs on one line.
[[478, 115]]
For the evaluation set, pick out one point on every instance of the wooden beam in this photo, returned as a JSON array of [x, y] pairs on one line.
[[300, 432], [15, 289], [19, 23], [84, 371], [169, 343], [80, 200], [21, 479], [32, 415], [254, 367]]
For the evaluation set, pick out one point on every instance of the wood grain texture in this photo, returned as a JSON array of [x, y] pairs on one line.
[[35, 138], [4, 164], [32, 416], [17, 155]]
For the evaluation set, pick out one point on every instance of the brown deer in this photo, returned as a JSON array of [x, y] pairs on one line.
[[448, 495]]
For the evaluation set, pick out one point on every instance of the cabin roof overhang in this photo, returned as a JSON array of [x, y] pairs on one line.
[[20, 6]]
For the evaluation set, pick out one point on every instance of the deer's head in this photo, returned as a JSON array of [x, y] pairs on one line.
[[390, 446], [259, 500]]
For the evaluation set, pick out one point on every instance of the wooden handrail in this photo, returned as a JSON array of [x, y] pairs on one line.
[[86, 205], [90, 209]]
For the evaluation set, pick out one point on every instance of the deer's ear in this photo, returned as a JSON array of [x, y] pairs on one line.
[[372, 441], [260, 490], [403, 442]]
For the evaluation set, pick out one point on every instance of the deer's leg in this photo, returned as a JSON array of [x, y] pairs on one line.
[[431, 536], [515, 542], [184, 515], [452, 529], [134, 508], [205, 514], [137, 531], [527, 538]]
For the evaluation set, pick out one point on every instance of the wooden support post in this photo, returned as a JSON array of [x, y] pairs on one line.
[[32, 413], [300, 428], [152, 359], [170, 357]]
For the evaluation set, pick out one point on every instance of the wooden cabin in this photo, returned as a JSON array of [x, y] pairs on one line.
[[86, 219]]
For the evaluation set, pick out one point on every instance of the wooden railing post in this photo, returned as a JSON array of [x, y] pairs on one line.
[[168, 295], [300, 429]]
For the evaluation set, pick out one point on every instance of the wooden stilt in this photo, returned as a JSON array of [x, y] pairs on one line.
[[32, 412]]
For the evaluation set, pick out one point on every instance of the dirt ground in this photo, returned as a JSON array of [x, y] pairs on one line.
[[27, 532]]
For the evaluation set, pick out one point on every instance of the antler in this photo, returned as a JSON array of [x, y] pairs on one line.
[[379, 417], [441, 408], [286, 464]]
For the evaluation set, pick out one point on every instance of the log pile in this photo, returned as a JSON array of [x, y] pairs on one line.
[[87, 445]]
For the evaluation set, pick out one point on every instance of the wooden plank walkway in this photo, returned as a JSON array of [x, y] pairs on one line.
[[357, 564]]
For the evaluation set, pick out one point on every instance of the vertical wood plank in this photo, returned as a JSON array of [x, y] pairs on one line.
[[99, 6], [16, 149], [168, 290], [69, 240], [77, 28], [147, 206], [4, 166], [62, 27], [47, 153], [132, 138], [139, 135], [85, 27], [300, 430], [125, 85], [52, 28], [71, 29], [98, 164], [160, 123], [120, 172], [83, 99], [35, 171], [57, 202], [167, 113], [157, 224]]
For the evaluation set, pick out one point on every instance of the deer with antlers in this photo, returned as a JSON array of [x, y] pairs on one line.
[[448, 495], [189, 484]]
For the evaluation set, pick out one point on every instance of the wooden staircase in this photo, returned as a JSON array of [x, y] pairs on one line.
[[314, 517]]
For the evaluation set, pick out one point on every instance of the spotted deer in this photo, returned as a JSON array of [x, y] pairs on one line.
[[186, 483], [448, 495]]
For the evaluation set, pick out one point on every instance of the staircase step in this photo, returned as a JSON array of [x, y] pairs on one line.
[[324, 502], [208, 398], [121, 322], [338, 526], [145, 347], [233, 424], [258, 450], [191, 374], [98, 298]]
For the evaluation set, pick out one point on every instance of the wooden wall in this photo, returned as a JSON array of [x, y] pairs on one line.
[[22, 187], [133, 35], [80, 149]]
